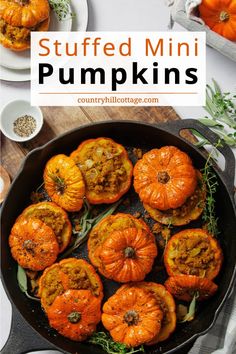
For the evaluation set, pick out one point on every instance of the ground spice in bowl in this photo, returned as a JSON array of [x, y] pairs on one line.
[[24, 126]]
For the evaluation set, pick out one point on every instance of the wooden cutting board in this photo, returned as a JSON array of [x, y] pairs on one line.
[[58, 120]]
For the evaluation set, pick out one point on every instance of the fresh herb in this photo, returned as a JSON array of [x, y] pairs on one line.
[[86, 222], [222, 115], [62, 9], [23, 283], [106, 342], [191, 310], [210, 180]]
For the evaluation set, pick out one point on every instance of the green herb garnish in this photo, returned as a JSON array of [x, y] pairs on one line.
[[62, 9], [86, 222], [222, 115], [107, 343], [23, 283], [210, 180], [191, 310]]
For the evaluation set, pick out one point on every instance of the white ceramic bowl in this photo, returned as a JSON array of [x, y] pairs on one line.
[[15, 109]]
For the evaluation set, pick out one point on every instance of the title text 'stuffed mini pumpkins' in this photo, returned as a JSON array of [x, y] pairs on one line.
[[33, 244], [106, 168], [164, 178], [132, 316], [220, 16], [64, 182], [75, 314]]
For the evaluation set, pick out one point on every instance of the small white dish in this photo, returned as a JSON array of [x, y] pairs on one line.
[[15, 109]]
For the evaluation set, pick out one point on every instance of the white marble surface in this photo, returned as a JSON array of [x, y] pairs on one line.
[[123, 15]]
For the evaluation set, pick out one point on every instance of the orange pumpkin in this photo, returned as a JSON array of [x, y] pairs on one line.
[[190, 210], [132, 316], [64, 182], [220, 16], [33, 244], [193, 252], [53, 216], [70, 273], [164, 178], [167, 305], [127, 255], [18, 18], [75, 314], [184, 287], [106, 168]]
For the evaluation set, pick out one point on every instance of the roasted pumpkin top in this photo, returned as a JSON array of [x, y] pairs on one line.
[[24, 13], [164, 178], [106, 168], [132, 316], [193, 252]]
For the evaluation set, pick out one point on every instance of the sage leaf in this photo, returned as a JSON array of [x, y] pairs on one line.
[[22, 279]]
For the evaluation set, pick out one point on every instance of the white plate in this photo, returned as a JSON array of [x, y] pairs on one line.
[[20, 61]]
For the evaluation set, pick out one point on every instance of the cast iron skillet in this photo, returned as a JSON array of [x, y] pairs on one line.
[[30, 330]]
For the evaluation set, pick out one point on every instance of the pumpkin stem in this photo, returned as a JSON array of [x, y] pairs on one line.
[[74, 317], [129, 252], [29, 245], [224, 16], [163, 177], [131, 317], [22, 2]]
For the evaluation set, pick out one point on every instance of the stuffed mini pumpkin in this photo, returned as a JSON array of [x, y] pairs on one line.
[[164, 178], [18, 18], [75, 314], [132, 316], [220, 16], [64, 182]]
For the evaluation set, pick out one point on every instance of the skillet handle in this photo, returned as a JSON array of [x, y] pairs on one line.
[[229, 171], [22, 338]]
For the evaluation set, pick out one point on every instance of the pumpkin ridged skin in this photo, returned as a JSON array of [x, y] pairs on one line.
[[220, 16], [56, 214], [64, 183], [123, 268], [193, 252], [70, 273], [75, 302], [167, 305], [23, 44], [183, 287], [102, 231], [33, 244], [189, 211], [28, 14], [109, 164], [164, 178], [132, 316]]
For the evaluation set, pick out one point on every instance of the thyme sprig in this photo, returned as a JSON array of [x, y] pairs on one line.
[[86, 222], [210, 180], [107, 343], [62, 9]]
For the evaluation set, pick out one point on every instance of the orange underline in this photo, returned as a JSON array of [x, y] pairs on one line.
[[118, 93]]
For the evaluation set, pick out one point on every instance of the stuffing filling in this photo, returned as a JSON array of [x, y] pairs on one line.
[[189, 205], [16, 34], [103, 168], [53, 219], [192, 256], [62, 278]]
